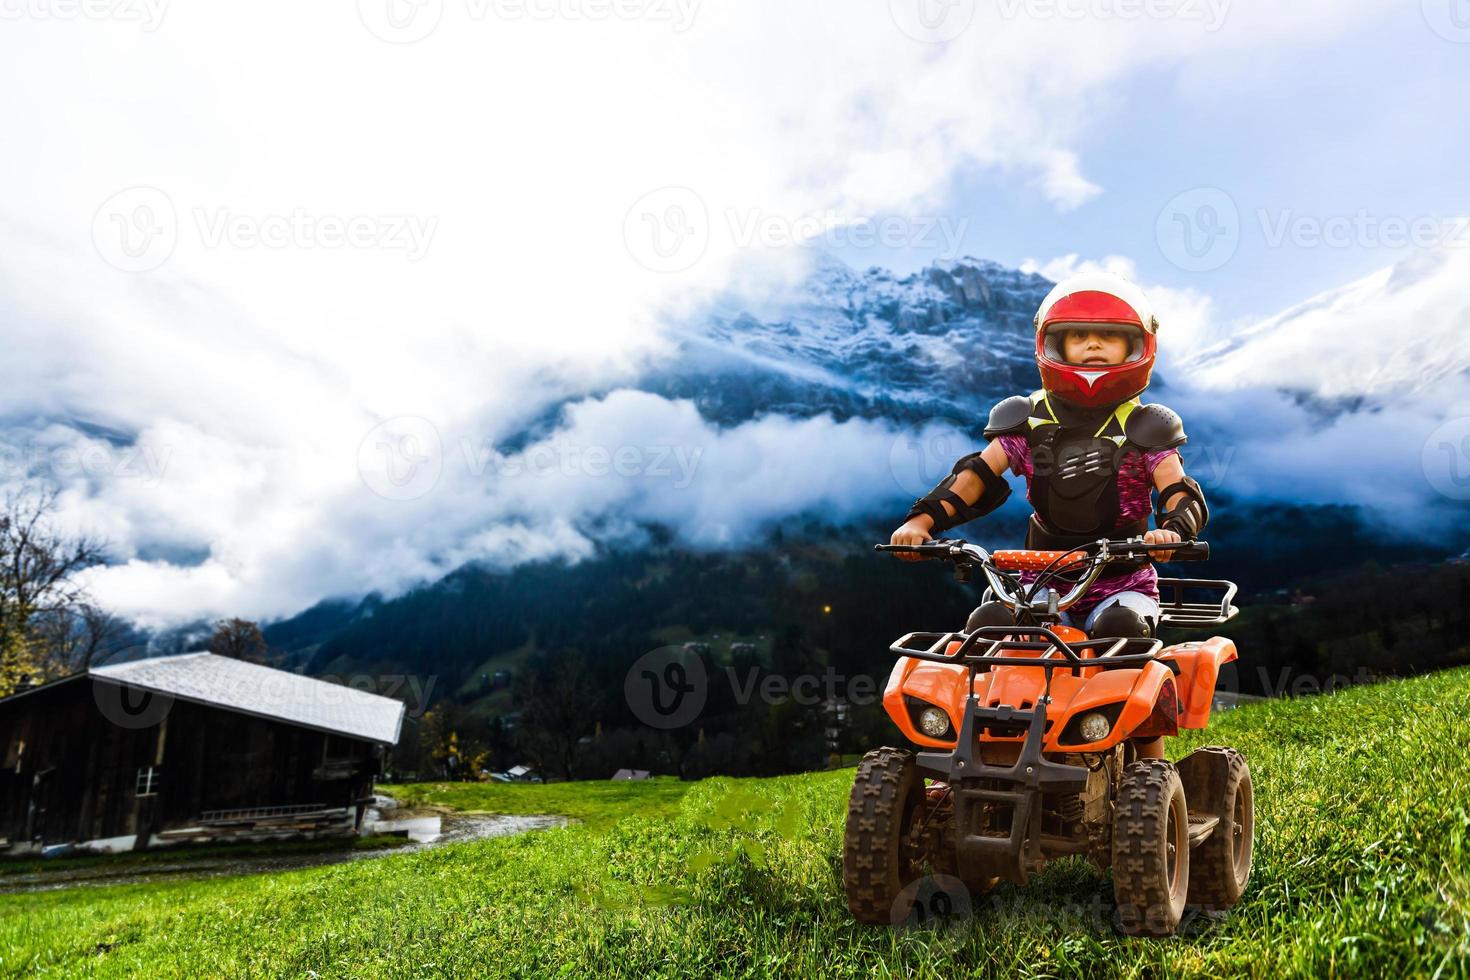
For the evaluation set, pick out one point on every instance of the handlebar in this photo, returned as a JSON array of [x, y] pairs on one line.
[[1093, 557]]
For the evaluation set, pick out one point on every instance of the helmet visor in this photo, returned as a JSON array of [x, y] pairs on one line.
[[1093, 344]]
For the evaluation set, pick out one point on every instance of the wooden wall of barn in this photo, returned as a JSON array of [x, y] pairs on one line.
[[74, 751]]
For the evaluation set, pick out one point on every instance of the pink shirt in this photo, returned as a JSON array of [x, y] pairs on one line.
[[1135, 484]]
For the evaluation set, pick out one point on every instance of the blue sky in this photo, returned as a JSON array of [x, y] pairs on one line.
[[1373, 119], [306, 297]]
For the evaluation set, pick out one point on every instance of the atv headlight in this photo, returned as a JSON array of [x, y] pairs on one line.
[[1094, 727], [933, 722]]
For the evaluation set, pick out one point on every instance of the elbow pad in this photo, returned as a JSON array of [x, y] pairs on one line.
[[1189, 516], [994, 492]]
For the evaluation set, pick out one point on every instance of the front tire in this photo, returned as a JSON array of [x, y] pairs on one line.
[[1150, 849], [878, 856]]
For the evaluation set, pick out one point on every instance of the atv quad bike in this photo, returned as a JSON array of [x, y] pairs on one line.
[[1029, 733]]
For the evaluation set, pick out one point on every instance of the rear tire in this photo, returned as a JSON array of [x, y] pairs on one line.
[[1150, 849], [878, 855], [1220, 867]]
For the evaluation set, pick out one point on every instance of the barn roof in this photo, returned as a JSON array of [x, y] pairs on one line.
[[265, 692]]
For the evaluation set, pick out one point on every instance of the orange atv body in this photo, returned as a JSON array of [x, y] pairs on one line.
[[1150, 700], [1027, 752]]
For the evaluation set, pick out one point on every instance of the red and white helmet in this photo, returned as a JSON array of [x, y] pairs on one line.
[[1100, 300]]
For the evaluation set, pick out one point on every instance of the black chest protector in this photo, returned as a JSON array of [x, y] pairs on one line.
[[1075, 457]]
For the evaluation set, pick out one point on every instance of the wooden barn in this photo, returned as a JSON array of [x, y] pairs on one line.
[[193, 747]]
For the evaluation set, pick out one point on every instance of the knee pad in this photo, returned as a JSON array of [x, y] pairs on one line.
[[1120, 621], [993, 613]]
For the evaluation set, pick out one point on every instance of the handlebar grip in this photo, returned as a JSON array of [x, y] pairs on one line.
[[1192, 551]]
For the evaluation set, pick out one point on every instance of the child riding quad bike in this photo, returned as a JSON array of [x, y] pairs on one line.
[[1031, 730]]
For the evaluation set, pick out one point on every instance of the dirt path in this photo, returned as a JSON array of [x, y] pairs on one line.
[[425, 829]]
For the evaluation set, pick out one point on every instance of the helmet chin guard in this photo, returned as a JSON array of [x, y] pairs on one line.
[[1100, 300]]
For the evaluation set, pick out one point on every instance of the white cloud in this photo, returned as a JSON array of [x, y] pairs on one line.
[[260, 351]]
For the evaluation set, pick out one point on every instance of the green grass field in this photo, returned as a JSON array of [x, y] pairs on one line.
[[1362, 869]]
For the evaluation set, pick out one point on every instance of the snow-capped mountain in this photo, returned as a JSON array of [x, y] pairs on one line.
[[1397, 332], [947, 339]]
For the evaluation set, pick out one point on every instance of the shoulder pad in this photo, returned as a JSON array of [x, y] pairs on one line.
[[1008, 418], [1155, 427]]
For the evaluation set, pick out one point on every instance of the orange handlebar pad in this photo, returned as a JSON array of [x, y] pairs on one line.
[[1035, 561]]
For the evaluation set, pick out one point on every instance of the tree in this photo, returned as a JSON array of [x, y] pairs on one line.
[[240, 639], [75, 639], [559, 704], [39, 589]]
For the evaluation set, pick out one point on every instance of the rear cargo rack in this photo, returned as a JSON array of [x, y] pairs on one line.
[[1175, 611]]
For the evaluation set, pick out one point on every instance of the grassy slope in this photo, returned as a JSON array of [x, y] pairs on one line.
[[1361, 870]]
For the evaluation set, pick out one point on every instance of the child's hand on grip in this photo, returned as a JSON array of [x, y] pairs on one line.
[[914, 532]]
